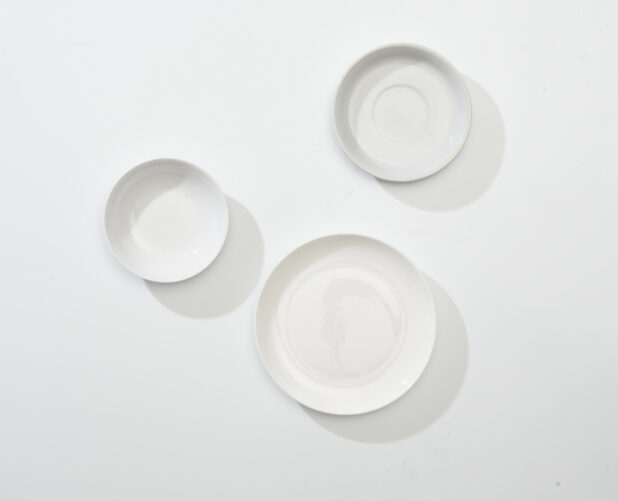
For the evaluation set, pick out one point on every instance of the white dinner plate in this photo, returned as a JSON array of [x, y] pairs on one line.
[[345, 324], [402, 112], [166, 220]]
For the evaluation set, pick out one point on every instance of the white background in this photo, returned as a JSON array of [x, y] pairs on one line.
[[115, 389]]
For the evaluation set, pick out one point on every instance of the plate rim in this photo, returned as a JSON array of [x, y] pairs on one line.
[[146, 164], [409, 46], [408, 385]]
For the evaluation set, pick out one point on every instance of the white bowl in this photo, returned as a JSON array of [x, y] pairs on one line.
[[402, 112], [345, 324], [166, 220]]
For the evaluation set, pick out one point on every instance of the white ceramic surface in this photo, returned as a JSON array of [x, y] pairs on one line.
[[345, 324], [402, 112], [166, 220]]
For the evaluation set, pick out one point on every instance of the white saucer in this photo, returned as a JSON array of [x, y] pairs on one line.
[[166, 220], [402, 112], [345, 324]]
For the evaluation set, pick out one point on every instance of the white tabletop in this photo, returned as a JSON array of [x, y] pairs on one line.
[[112, 388]]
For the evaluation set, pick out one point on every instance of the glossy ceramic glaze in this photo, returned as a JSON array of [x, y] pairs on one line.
[[402, 112], [345, 324], [166, 220]]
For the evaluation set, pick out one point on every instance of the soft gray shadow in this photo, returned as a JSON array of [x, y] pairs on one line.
[[227, 282], [472, 171], [430, 396]]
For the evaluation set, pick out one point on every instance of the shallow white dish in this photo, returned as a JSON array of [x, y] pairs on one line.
[[345, 324], [402, 112], [166, 220]]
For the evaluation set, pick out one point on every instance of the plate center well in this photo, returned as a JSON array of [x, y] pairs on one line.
[[344, 324]]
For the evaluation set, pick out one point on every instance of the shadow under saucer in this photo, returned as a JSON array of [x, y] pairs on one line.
[[471, 172]]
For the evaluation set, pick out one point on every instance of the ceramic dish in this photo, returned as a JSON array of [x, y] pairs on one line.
[[166, 220], [402, 112], [345, 324]]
